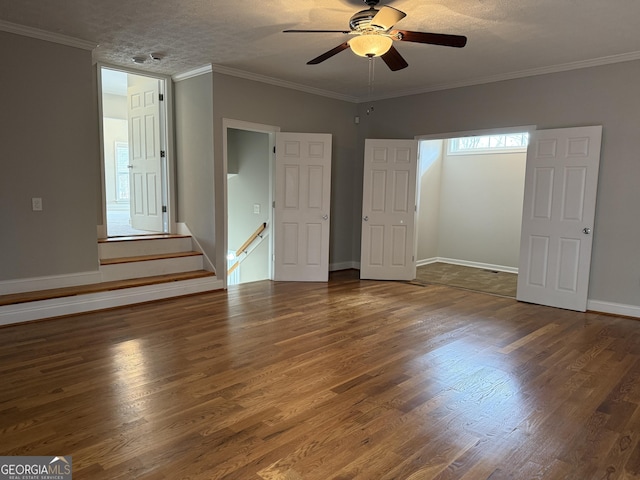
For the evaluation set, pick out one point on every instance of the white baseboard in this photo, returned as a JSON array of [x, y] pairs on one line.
[[465, 263], [613, 308], [55, 307], [36, 284], [427, 261], [592, 305], [334, 267]]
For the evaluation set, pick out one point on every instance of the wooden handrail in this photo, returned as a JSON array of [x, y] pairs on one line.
[[250, 240], [245, 245]]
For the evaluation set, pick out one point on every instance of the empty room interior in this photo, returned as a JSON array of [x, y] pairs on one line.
[[218, 220]]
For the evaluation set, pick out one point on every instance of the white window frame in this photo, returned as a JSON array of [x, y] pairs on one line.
[[486, 150]]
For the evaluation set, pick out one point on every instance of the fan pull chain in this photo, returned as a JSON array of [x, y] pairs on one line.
[[371, 75]]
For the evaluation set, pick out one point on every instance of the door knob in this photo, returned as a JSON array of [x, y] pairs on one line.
[[586, 230], [129, 166], [325, 217], [366, 219]]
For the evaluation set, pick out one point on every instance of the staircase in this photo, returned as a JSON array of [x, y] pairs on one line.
[[132, 270], [123, 258]]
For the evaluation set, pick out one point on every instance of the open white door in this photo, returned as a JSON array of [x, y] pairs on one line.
[[557, 221], [145, 154], [302, 206], [389, 210]]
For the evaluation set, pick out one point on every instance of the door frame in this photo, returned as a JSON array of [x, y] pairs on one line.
[[467, 133], [271, 130], [168, 165]]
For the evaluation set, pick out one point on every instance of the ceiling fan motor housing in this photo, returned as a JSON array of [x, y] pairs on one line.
[[361, 21]]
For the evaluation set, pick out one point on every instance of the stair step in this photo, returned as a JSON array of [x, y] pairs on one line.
[[25, 297], [147, 258], [136, 238], [119, 247]]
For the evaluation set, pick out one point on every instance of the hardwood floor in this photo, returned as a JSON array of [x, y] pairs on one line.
[[346, 380], [470, 278]]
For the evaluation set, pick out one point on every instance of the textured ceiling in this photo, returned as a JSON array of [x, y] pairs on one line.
[[506, 38]]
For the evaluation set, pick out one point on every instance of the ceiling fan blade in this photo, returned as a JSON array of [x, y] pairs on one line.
[[444, 39], [317, 31], [394, 60], [387, 17], [328, 54]]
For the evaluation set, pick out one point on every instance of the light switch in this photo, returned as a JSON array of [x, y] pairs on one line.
[[256, 208], [36, 204]]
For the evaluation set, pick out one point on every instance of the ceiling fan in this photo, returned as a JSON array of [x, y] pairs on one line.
[[373, 36]]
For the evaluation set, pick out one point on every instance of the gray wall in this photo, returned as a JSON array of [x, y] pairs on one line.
[[606, 95], [249, 151], [50, 149], [194, 159], [295, 111]]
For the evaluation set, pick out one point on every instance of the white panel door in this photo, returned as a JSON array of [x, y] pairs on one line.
[[302, 206], [557, 221], [389, 210], [145, 165]]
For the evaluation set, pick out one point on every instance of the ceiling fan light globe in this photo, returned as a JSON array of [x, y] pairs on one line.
[[370, 45]]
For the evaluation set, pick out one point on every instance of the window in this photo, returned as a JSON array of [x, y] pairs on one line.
[[506, 143], [122, 171]]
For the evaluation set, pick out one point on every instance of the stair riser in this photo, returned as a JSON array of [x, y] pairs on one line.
[[123, 271], [25, 312], [144, 247]]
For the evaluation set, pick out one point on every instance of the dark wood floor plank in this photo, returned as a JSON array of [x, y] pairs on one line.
[[345, 380]]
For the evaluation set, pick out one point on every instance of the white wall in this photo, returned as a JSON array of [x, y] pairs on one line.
[[115, 129], [481, 208], [429, 180], [470, 206], [249, 152]]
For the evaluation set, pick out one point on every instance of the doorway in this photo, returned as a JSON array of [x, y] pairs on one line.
[[471, 189], [248, 154], [134, 136], [248, 207], [556, 219]]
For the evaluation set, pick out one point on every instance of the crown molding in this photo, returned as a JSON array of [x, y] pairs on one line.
[[282, 83], [46, 36], [203, 70], [595, 62]]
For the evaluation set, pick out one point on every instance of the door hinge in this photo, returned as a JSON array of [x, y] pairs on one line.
[[163, 154], [273, 204], [161, 96], [274, 149], [164, 209]]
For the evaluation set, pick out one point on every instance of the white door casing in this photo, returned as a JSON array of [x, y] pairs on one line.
[[558, 217], [389, 210], [302, 206], [145, 161]]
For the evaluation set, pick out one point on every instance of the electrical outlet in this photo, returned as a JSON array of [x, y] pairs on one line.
[[36, 204]]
